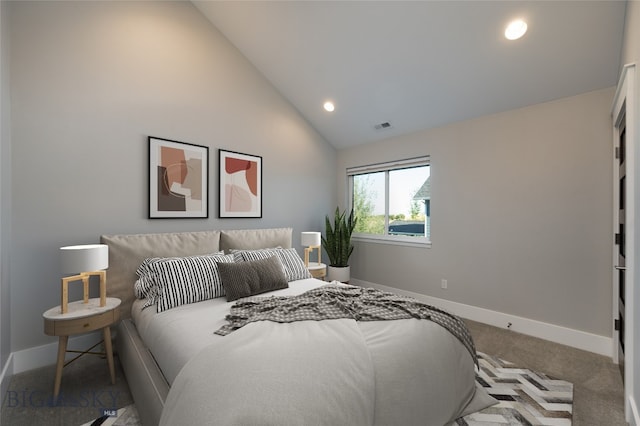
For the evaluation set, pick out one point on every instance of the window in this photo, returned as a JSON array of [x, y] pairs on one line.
[[392, 201]]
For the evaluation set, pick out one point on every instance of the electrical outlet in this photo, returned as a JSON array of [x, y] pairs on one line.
[[443, 283]]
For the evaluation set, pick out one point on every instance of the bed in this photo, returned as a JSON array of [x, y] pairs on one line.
[[189, 364]]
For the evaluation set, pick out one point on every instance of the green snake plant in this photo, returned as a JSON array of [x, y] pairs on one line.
[[337, 238]]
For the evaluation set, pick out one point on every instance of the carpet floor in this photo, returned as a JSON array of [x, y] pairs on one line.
[[85, 393], [598, 391]]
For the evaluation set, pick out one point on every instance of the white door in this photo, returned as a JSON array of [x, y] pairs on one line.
[[620, 238], [626, 337]]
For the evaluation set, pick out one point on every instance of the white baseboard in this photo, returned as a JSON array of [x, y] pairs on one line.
[[5, 376], [633, 409], [601, 345], [41, 356]]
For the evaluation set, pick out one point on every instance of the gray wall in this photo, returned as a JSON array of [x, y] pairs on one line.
[[521, 213], [91, 80], [5, 188]]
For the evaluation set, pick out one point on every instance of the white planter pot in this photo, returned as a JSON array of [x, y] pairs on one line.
[[342, 274]]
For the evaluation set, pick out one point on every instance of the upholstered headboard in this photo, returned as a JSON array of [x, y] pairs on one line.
[[126, 252]]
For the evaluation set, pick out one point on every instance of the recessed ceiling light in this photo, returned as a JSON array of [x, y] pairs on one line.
[[328, 106], [515, 29]]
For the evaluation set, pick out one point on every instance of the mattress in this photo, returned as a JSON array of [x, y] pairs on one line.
[[177, 335]]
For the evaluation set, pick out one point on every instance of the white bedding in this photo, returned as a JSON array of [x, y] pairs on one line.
[[305, 373], [331, 372], [171, 336]]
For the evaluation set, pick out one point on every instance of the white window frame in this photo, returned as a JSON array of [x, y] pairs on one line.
[[387, 167]]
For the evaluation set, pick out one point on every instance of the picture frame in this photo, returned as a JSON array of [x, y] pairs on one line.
[[178, 179], [240, 185]]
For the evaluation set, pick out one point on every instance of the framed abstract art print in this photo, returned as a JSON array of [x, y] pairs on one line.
[[178, 179], [240, 192]]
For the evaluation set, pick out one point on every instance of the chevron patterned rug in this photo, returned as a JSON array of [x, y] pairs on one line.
[[126, 416], [525, 397]]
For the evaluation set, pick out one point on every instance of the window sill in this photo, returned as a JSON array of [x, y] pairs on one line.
[[393, 240]]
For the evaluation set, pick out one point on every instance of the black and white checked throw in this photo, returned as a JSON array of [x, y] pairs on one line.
[[334, 302]]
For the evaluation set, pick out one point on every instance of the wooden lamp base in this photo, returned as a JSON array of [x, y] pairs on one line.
[[307, 252], [84, 277]]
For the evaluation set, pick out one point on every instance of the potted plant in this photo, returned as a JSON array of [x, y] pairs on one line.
[[337, 244]]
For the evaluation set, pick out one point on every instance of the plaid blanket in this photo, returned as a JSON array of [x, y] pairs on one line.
[[334, 302]]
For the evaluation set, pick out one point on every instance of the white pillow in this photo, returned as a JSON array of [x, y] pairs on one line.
[[185, 280], [293, 265]]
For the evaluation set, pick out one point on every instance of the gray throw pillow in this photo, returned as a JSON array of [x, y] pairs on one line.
[[254, 277]]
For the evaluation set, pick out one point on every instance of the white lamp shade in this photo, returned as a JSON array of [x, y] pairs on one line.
[[310, 239], [84, 258]]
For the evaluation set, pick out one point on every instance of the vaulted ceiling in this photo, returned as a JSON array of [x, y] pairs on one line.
[[421, 64]]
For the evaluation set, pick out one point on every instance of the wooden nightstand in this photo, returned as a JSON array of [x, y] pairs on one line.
[[82, 318], [318, 270]]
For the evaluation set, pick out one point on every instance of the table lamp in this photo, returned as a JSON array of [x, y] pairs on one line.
[[84, 261], [311, 241]]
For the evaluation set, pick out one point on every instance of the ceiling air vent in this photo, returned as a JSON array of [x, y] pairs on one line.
[[382, 126]]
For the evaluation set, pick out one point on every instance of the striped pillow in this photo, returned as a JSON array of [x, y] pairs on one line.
[[146, 286], [293, 265], [188, 280]]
